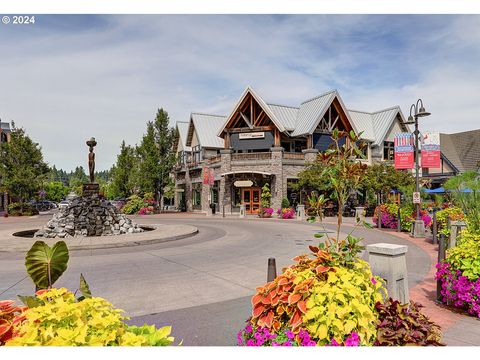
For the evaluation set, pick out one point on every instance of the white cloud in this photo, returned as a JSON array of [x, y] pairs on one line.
[[108, 78]]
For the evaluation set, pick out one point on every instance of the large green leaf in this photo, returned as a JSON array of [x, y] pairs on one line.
[[46, 264], [84, 288]]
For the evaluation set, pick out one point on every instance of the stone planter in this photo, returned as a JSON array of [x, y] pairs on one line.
[[265, 215]]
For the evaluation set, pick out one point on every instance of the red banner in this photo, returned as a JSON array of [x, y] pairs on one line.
[[404, 158], [430, 150], [206, 175], [212, 177]]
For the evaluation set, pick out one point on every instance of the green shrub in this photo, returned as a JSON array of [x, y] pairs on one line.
[[15, 209], [285, 203], [265, 196], [466, 255], [451, 213], [133, 205]]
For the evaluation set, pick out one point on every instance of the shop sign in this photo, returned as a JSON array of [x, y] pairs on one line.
[[430, 150], [243, 183], [252, 135], [403, 146]]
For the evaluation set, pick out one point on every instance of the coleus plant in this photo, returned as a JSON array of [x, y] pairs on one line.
[[404, 324], [9, 315]]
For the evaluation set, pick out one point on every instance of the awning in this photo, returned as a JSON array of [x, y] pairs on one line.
[[245, 172]]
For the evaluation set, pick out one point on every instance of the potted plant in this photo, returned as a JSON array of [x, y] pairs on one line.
[[265, 210]]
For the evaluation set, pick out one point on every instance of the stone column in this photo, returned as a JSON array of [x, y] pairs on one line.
[[388, 262], [206, 199], [188, 191], [276, 168], [301, 212], [224, 193], [359, 214], [310, 155]]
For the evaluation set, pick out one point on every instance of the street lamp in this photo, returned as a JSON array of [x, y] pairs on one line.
[[419, 226]]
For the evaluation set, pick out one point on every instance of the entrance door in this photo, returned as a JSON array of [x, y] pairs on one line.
[[251, 199]]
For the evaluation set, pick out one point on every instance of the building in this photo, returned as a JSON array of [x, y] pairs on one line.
[[459, 152], [225, 160], [4, 137]]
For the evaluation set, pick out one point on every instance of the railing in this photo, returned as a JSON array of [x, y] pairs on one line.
[[252, 156], [296, 156], [215, 159]]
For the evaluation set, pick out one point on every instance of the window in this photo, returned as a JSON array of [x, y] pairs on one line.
[[197, 196], [388, 150]]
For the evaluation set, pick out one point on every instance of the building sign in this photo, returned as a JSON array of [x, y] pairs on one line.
[[243, 183], [403, 148], [416, 198], [251, 135], [430, 150], [206, 175]]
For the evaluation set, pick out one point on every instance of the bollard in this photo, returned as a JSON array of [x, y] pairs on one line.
[[441, 257], [359, 214], [434, 227], [242, 211], [399, 221], [272, 269], [300, 212], [388, 261]]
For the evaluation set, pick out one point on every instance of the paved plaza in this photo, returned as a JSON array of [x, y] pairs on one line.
[[202, 284]]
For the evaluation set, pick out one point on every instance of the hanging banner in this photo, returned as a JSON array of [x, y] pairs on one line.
[[212, 177], [430, 150], [404, 147], [206, 175]]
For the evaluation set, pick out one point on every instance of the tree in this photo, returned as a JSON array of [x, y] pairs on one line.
[[339, 171], [22, 169], [77, 179], [381, 178], [156, 156], [56, 191], [122, 184]]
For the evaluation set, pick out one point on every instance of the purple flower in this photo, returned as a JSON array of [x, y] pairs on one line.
[[275, 343], [250, 342], [290, 334], [373, 281], [287, 343], [334, 343], [352, 340], [248, 329]]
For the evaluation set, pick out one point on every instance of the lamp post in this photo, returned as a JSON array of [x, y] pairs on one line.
[[418, 225]]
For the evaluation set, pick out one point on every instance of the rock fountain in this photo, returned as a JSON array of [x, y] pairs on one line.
[[89, 214]]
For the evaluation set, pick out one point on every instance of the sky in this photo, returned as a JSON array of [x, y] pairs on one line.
[[67, 78]]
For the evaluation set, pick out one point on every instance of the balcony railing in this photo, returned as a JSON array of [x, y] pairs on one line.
[[252, 156], [295, 156], [215, 159]]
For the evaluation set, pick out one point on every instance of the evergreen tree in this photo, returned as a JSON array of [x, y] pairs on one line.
[[122, 172], [77, 178], [22, 169], [156, 156]]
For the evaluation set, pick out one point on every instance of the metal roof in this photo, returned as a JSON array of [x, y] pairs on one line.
[[5, 126], [183, 131], [287, 115], [311, 112], [206, 127], [462, 149], [364, 124]]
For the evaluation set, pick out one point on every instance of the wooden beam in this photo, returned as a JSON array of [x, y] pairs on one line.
[[277, 137], [256, 128], [258, 117], [310, 142]]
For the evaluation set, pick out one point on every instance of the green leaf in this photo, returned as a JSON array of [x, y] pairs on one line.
[[318, 235], [46, 264], [30, 301], [84, 288], [367, 225]]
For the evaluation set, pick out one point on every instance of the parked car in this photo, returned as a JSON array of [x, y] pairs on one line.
[[63, 204], [42, 205]]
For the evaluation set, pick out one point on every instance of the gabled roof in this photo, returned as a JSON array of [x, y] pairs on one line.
[[462, 149], [183, 131], [312, 111], [206, 127], [260, 102], [376, 125]]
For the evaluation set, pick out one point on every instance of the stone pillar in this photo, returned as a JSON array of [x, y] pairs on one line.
[[276, 167], [242, 211], [388, 262], [188, 191], [206, 199], [301, 212], [224, 193], [310, 155], [418, 229], [359, 214], [455, 228]]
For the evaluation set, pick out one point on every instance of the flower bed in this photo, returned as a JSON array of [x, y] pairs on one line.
[[389, 216], [265, 212], [459, 274], [286, 213], [452, 213]]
